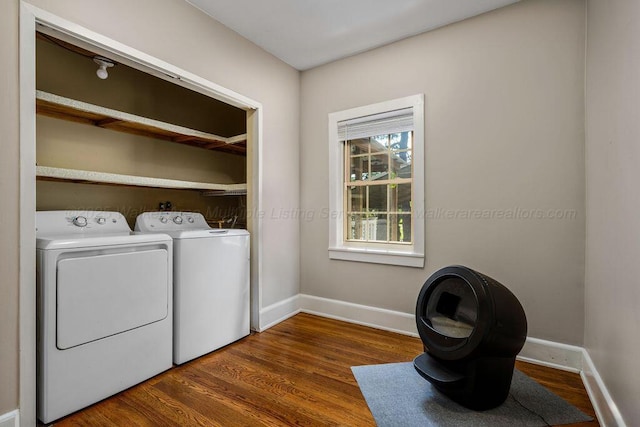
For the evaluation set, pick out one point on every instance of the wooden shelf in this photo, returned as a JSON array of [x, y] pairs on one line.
[[48, 104], [90, 177]]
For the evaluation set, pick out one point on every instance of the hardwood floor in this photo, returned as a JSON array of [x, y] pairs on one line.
[[296, 373]]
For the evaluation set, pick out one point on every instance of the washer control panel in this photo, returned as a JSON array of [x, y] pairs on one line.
[[170, 221], [81, 222]]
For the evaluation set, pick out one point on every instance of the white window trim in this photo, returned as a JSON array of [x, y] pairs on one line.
[[409, 255]]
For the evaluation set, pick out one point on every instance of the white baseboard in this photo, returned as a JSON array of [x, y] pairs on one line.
[[10, 419], [542, 352], [606, 409], [278, 312], [379, 318], [552, 354]]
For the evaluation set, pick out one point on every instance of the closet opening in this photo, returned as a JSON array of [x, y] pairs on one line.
[[152, 137]]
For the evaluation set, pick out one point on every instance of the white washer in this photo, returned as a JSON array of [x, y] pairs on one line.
[[210, 279], [104, 308]]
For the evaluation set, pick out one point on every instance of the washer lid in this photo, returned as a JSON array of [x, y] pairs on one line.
[[205, 234], [75, 241]]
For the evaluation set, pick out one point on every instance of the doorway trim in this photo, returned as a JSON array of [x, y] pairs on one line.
[[32, 19]]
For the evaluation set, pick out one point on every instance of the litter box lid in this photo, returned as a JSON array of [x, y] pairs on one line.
[[462, 313]]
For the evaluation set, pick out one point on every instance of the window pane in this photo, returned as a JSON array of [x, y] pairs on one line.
[[401, 164], [377, 198], [380, 144], [359, 168], [358, 146], [401, 141], [376, 226], [379, 167], [400, 228], [356, 229], [400, 198], [356, 199]]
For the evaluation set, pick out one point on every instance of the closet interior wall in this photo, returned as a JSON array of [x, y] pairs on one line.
[[71, 145]]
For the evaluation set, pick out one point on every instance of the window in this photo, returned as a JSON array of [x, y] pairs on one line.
[[377, 183]]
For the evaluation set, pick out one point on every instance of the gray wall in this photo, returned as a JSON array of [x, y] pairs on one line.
[[173, 31], [504, 95], [613, 204], [9, 220]]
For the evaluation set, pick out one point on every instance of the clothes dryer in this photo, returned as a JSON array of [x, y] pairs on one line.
[[104, 301], [211, 281]]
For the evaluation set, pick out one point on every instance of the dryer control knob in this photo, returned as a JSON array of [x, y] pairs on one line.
[[191, 220], [80, 221], [101, 220], [163, 219], [177, 220]]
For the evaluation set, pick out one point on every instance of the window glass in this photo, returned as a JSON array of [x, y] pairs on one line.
[[359, 168], [400, 198], [377, 198], [400, 230], [356, 227], [357, 200], [379, 167], [378, 185]]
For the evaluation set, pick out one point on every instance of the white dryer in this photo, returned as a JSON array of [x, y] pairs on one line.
[[104, 308], [210, 281]]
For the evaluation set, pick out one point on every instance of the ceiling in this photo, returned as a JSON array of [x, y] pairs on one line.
[[308, 33]]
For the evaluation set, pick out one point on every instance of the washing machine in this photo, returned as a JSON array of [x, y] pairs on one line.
[[210, 281], [104, 299]]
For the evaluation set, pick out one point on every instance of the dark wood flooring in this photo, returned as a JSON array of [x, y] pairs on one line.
[[294, 374]]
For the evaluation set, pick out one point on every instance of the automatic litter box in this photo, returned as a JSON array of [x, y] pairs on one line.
[[472, 328]]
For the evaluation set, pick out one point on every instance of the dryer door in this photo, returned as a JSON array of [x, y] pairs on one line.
[[106, 294]]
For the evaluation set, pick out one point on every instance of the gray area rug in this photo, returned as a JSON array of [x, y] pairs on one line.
[[399, 397]]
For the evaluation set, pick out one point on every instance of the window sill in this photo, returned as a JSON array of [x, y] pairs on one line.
[[377, 256]]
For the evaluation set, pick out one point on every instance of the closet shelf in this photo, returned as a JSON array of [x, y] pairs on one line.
[[47, 173], [48, 104]]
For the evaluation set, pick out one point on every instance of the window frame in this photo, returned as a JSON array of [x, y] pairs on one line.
[[402, 254]]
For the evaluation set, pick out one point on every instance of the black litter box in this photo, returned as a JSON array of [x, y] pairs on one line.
[[472, 328]]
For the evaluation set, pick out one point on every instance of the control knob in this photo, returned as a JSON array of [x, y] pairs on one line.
[[177, 219], [101, 220], [163, 219], [80, 221]]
